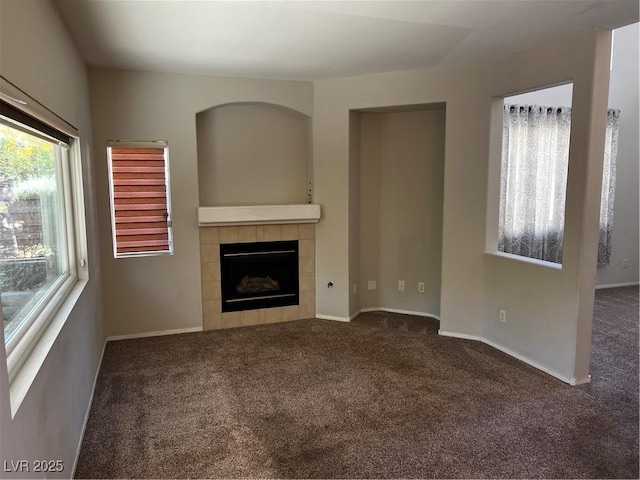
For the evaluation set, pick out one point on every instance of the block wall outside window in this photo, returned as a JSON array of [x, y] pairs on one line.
[[42, 225]]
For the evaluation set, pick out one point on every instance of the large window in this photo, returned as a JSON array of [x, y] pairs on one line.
[[39, 251], [140, 198]]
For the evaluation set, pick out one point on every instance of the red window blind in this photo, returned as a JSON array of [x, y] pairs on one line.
[[140, 200]]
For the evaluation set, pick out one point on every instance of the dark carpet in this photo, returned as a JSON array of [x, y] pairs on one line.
[[383, 396]]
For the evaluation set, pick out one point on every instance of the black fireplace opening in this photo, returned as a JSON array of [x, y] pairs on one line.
[[259, 275]]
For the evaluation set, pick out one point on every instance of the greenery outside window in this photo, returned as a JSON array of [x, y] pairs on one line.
[[40, 259]]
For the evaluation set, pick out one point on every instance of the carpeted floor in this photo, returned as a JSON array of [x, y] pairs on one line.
[[383, 396]]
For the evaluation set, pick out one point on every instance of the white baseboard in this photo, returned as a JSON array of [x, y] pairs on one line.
[[463, 336], [331, 317], [396, 310], [575, 382], [410, 312], [86, 415], [533, 363], [616, 285], [154, 334], [522, 358]]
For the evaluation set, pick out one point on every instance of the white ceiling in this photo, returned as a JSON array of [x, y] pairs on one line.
[[306, 40]]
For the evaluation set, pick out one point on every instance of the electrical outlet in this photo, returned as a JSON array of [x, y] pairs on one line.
[[372, 284], [401, 285], [625, 263], [421, 287], [503, 316], [355, 289]]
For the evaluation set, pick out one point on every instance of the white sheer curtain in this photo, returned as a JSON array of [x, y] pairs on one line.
[[533, 184], [608, 187]]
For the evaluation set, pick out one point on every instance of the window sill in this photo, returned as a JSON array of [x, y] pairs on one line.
[[28, 371], [527, 260]]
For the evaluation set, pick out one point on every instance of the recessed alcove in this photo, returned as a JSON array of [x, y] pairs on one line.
[[397, 169], [253, 154]]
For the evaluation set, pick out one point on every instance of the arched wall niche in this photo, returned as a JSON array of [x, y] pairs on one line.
[[253, 153]]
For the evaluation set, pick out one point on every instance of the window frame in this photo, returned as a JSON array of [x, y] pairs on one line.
[[72, 228], [167, 184]]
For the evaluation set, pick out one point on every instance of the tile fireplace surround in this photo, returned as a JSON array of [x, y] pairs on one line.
[[210, 239]]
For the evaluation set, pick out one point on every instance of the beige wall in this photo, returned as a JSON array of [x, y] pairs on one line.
[[149, 294], [367, 215], [550, 312], [358, 288], [401, 188], [464, 89], [39, 57], [623, 94], [252, 154]]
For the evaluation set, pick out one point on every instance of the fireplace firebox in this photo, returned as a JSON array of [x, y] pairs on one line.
[[259, 275]]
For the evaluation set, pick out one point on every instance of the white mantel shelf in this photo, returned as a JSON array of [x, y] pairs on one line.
[[257, 215]]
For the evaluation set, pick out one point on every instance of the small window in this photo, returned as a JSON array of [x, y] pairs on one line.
[[140, 198], [40, 227]]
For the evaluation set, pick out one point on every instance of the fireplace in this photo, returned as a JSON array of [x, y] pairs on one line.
[[211, 239], [259, 275]]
